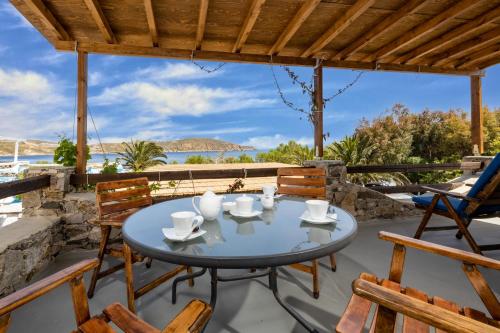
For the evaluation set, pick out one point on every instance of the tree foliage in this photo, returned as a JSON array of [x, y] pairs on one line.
[[65, 153], [139, 155], [290, 153]]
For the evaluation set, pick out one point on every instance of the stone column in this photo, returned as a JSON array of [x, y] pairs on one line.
[[336, 175]]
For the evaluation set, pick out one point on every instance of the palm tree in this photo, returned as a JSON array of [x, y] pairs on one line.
[[356, 150], [140, 155]]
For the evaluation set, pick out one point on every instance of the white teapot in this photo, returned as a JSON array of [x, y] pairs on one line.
[[210, 205]]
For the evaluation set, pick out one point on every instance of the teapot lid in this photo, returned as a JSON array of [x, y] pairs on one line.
[[209, 193]]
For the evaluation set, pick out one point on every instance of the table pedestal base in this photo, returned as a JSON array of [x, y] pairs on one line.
[[214, 279]]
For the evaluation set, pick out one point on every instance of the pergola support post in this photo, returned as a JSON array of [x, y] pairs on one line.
[[81, 132], [476, 114], [318, 109]]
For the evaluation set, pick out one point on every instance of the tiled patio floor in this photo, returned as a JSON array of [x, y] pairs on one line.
[[248, 306]]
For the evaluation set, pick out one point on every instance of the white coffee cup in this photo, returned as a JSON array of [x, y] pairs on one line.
[[269, 189], [267, 201], [317, 208], [244, 205], [228, 205], [185, 222]]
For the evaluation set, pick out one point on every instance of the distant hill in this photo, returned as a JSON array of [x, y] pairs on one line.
[[40, 147]]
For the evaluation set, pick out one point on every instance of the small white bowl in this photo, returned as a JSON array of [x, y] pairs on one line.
[[227, 206]]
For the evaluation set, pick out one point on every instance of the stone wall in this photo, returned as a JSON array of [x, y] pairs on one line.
[[361, 202]]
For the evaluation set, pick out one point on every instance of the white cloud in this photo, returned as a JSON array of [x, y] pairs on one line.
[[53, 57], [272, 141], [193, 100], [31, 105], [177, 71], [95, 78], [8, 9], [3, 48]]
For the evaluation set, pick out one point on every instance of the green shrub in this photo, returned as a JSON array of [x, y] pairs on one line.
[[109, 168], [199, 159], [65, 152]]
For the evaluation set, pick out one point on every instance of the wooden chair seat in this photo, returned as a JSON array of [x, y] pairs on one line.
[[358, 310]]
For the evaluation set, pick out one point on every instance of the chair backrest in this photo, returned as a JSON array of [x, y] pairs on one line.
[[486, 189], [121, 196], [304, 182]]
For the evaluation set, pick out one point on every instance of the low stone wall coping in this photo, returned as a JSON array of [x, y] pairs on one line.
[[81, 196], [23, 229]]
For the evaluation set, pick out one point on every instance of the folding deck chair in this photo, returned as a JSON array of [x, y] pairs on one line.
[[483, 199]]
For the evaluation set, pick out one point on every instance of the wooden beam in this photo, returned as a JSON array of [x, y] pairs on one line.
[[45, 15], [202, 21], [25, 185], [476, 113], [302, 14], [150, 17], [358, 8], [448, 38], [318, 109], [421, 30], [248, 24], [480, 56], [158, 52], [461, 50], [100, 20], [490, 62], [81, 133], [373, 32]]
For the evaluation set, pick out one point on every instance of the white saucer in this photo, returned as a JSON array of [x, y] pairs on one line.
[[330, 218], [169, 233], [276, 196], [252, 214]]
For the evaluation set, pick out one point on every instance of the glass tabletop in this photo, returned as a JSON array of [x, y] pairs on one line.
[[274, 238]]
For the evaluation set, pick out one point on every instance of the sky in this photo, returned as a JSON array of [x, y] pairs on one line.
[[160, 99]]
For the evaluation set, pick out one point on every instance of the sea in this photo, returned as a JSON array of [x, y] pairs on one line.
[[179, 157]]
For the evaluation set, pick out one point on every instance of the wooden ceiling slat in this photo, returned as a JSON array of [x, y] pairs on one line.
[[48, 19], [150, 16], [446, 39], [461, 50], [248, 24], [100, 20], [202, 21], [340, 25], [373, 32], [302, 14], [421, 30], [480, 56], [488, 63]]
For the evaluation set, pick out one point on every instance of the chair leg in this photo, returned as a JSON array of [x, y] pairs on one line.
[[315, 274], [459, 234], [129, 277], [148, 262], [333, 262], [189, 270], [105, 232], [427, 217]]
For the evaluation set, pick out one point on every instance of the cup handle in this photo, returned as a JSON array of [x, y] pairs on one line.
[[194, 204], [197, 221]]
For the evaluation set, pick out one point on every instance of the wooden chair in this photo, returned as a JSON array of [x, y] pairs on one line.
[[483, 199], [117, 200], [420, 310], [192, 319], [305, 182]]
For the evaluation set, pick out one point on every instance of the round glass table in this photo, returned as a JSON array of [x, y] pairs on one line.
[[276, 237]]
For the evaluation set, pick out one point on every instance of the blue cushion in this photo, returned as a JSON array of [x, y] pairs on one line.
[[426, 199], [481, 182]]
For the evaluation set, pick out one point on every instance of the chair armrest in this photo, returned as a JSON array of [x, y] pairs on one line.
[[469, 257], [37, 289], [451, 194], [192, 319], [419, 310]]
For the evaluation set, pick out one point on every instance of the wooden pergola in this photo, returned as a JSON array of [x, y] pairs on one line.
[[457, 37]]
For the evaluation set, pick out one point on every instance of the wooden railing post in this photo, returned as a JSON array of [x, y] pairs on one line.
[[476, 118], [81, 133]]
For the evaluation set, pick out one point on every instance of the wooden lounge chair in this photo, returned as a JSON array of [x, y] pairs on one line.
[[192, 319], [418, 309], [117, 200], [483, 199], [305, 182]]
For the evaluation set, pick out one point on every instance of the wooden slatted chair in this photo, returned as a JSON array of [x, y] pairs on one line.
[[311, 183], [117, 200], [483, 199], [192, 319], [420, 310]]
